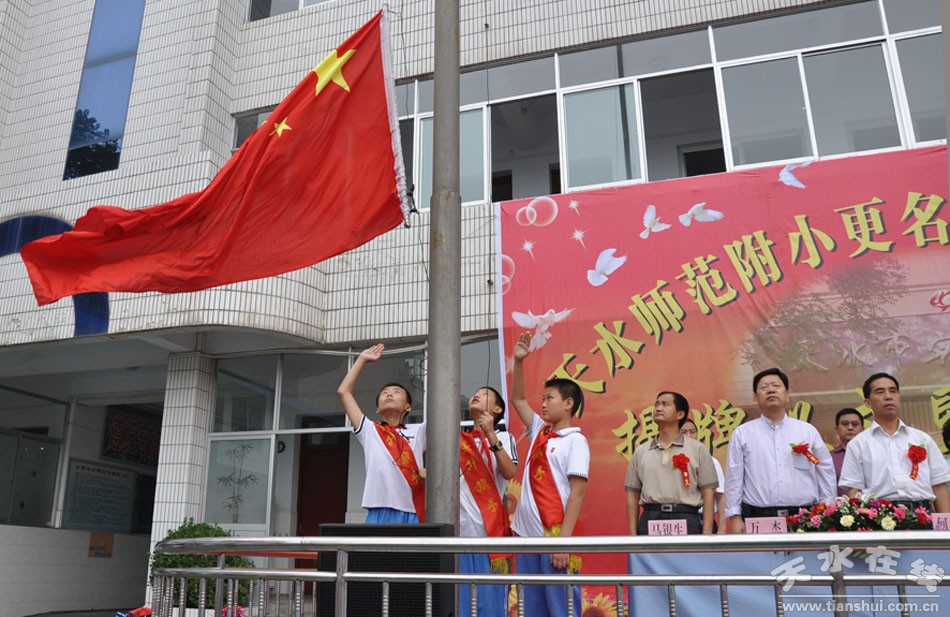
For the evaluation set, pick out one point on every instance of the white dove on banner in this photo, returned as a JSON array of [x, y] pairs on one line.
[[606, 265], [651, 222], [701, 214]]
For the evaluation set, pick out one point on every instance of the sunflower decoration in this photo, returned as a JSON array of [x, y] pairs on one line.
[[602, 605]]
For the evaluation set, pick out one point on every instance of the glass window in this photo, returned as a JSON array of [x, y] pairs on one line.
[[765, 110], [95, 142], [245, 394], [921, 61], [406, 134], [851, 101], [471, 161], [117, 37], [681, 127], [308, 391], [262, 9], [406, 99], [901, 18], [666, 53], [601, 136], [238, 478], [408, 369], [798, 30], [473, 87], [425, 95], [589, 66], [8, 450], [524, 148], [34, 481], [247, 124], [525, 77]]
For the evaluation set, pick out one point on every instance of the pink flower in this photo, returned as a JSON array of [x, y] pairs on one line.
[[832, 508], [815, 521], [921, 510], [900, 513], [875, 504]]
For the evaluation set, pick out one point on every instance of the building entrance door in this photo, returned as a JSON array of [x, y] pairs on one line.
[[321, 490]]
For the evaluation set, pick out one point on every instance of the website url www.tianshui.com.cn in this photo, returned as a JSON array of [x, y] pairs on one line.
[[863, 606]]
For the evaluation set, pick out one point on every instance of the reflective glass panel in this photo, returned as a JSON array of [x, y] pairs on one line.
[[245, 125], [525, 77], [851, 101], [524, 148], [8, 448], [473, 87], [238, 475], [245, 394], [116, 26], [406, 133], [601, 136], [903, 15], [471, 159], [765, 109], [666, 53], [308, 391], [262, 9], [922, 66], [425, 95], [34, 481], [406, 99], [104, 93], [798, 30], [589, 66]]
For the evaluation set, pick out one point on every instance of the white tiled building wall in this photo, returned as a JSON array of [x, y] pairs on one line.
[[199, 63]]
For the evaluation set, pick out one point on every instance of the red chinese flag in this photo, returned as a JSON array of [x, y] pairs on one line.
[[322, 176]]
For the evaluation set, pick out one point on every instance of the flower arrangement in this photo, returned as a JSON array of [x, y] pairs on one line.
[[858, 514]]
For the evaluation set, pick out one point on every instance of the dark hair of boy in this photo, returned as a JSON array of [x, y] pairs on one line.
[[568, 388], [499, 402]]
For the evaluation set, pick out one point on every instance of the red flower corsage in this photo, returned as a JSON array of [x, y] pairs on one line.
[[802, 449], [917, 455], [681, 462]]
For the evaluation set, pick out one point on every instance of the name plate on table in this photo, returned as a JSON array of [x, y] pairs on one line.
[[941, 521], [766, 524], [671, 527]]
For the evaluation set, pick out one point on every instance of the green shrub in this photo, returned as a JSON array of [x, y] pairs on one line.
[[191, 529]]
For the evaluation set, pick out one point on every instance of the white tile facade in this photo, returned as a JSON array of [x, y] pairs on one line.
[[199, 63]]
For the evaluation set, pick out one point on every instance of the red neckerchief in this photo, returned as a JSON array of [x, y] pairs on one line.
[[545, 492], [399, 448]]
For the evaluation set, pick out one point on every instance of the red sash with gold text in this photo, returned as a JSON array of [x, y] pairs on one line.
[[399, 448], [546, 495], [480, 476]]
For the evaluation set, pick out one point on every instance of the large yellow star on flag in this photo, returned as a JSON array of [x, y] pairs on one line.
[[280, 127], [331, 69]]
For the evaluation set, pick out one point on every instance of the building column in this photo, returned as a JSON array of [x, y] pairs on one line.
[[182, 460]]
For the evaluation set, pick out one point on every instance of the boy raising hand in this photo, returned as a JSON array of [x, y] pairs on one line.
[[554, 482]]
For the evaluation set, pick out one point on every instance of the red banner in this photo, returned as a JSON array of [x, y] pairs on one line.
[[830, 270]]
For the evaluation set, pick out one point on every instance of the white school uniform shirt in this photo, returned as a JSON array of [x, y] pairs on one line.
[[719, 489], [762, 470], [878, 465], [385, 485], [471, 523], [568, 455]]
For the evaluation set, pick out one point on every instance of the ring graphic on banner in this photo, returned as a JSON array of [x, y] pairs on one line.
[[540, 212]]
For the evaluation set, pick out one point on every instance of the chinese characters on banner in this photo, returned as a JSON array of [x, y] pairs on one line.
[[696, 284]]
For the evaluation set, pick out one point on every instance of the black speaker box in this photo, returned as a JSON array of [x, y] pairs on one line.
[[405, 599]]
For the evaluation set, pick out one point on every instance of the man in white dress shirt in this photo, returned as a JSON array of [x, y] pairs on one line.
[[881, 460], [775, 464]]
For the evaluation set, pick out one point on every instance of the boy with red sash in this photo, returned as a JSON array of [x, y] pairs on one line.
[[395, 487], [487, 461], [554, 485]]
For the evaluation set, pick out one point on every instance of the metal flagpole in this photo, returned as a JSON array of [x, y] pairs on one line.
[[445, 257]]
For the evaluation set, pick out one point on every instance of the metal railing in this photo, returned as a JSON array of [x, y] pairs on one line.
[[170, 585]]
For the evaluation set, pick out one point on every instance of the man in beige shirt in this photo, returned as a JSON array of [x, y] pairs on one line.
[[672, 476]]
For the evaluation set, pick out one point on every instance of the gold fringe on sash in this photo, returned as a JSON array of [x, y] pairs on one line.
[[575, 562]]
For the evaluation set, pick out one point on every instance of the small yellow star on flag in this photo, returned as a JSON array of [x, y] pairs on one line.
[[331, 69], [280, 127]]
